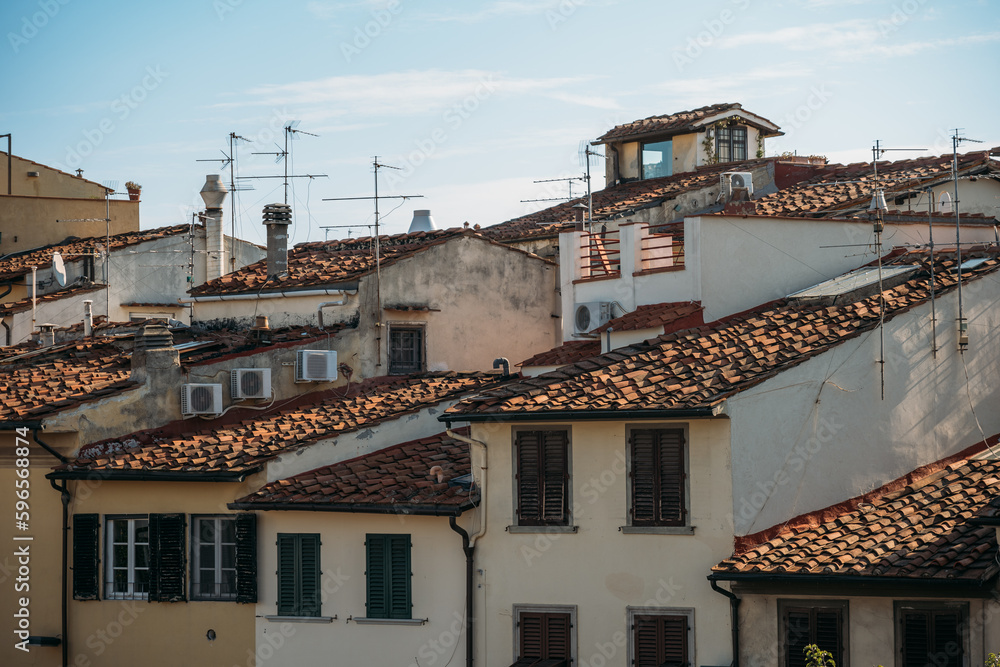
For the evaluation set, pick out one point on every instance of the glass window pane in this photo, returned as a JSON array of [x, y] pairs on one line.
[[207, 586], [206, 530], [206, 555], [142, 581], [120, 581], [229, 555], [228, 582], [119, 555], [658, 159], [119, 529], [142, 556], [228, 530], [141, 531]]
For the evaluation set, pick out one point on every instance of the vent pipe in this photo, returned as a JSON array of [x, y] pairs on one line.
[[88, 318], [277, 217], [214, 193], [422, 222]]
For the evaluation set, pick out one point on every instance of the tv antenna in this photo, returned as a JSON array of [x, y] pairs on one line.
[[378, 279], [589, 157], [281, 155], [963, 326], [557, 180], [229, 160]]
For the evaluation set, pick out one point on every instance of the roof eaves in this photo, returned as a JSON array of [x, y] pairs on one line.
[[706, 412], [402, 509]]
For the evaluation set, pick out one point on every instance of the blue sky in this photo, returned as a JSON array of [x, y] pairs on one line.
[[472, 101]]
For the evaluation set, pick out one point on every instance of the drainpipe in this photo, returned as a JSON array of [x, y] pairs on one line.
[[64, 494], [469, 543], [329, 304], [6, 327], [734, 607]]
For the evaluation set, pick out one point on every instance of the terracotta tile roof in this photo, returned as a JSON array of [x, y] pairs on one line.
[[25, 304], [240, 448], [922, 530], [326, 263], [625, 198], [838, 189], [569, 352], [524, 229], [35, 383], [696, 369], [672, 316], [394, 478], [70, 249], [675, 123]]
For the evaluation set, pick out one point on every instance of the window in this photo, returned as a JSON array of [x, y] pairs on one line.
[[731, 143], [298, 574], [929, 634], [86, 556], [127, 561], [542, 460], [658, 159], [388, 576], [213, 558], [822, 624], [544, 636], [406, 349], [657, 477], [659, 638]]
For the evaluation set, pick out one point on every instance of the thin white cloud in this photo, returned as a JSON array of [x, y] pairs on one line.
[[727, 88], [508, 8]]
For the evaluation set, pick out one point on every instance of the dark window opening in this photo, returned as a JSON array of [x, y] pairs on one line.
[[406, 350], [931, 636], [822, 626], [731, 143], [658, 477]]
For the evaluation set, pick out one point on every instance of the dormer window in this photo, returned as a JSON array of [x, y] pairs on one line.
[[731, 143], [658, 159]]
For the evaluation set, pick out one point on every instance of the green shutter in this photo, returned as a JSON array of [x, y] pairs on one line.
[[86, 560], [388, 576], [246, 558], [287, 587], [298, 574], [309, 578], [168, 561]]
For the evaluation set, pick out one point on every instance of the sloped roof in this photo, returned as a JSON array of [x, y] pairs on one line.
[[682, 122], [58, 171], [696, 369], [569, 352], [25, 304], [625, 198], [673, 316], [243, 447], [21, 263], [396, 478], [922, 530], [36, 383], [837, 189]]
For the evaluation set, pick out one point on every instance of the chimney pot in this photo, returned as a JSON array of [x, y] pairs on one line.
[[277, 217], [422, 222]]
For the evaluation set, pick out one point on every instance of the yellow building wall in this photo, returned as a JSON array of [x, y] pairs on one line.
[[138, 632], [28, 222], [48, 183]]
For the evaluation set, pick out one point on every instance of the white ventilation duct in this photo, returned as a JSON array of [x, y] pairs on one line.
[[422, 222]]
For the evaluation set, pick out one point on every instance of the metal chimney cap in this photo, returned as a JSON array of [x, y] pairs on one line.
[[214, 191], [277, 214], [422, 222]]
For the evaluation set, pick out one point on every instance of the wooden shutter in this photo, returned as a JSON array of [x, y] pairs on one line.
[[916, 638], [288, 598], [246, 558], [797, 637], [932, 636], [948, 644], [399, 576], [813, 625], [658, 477], [828, 635], [660, 640], [167, 557], [376, 577], [543, 639], [86, 557], [388, 576], [309, 574], [542, 477], [532, 634]]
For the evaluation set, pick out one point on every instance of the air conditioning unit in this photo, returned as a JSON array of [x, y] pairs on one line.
[[589, 316], [201, 399], [315, 366], [736, 179], [251, 383]]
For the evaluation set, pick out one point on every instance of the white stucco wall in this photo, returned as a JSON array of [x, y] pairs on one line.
[[437, 585], [599, 569], [63, 312], [820, 433]]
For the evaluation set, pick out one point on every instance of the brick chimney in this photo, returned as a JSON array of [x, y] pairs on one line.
[[277, 218], [154, 359]]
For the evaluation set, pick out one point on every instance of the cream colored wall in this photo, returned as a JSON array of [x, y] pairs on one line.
[[63, 312], [49, 182], [599, 569], [281, 311], [30, 222], [685, 152], [871, 628], [438, 594], [628, 160], [138, 632]]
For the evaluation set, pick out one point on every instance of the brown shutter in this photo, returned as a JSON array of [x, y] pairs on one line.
[[529, 506], [658, 477], [544, 639], [644, 478], [670, 454], [532, 634], [555, 480], [660, 640]]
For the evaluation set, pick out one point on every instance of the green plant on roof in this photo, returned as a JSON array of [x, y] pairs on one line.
[[992, 660], [132, 185], [817, 657]]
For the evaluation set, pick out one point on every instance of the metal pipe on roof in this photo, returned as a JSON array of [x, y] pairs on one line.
[[330, 304], [584, 415], [265, 295], [470, 551]]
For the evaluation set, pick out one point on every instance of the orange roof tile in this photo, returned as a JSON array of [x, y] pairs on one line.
[[26, 304], [696, 369], [396, 478], [672, 316], [243, 447], [921, 529], [569, 352]]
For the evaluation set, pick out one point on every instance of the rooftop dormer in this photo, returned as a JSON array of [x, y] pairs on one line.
[[666, 145]]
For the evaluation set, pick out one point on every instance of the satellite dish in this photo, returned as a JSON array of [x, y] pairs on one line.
[[59, 269]]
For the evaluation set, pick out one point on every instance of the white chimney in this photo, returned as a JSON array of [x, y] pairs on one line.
[[88, 318], [422, 222], [214, 193]]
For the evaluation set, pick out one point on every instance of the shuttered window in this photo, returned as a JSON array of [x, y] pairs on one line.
[[931, 637], [544, 639], [126, 561], [388, 576], [298, 574], [167, 557], [86, 556], [542, 478], [660, 640], [246, 558], [658, 477], [805, 625]]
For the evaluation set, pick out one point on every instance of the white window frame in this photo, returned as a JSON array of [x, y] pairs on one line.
[[130, 568], [632, 612], [217, 566]]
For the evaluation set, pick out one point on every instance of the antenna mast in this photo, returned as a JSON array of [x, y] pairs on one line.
[[963, 326]]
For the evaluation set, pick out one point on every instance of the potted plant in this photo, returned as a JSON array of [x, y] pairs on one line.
[[133, 190]]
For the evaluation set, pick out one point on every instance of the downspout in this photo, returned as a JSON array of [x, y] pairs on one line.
[[65, 497], [6, 328], [328, 304], [734, 607], [470, 563], [469, 543]]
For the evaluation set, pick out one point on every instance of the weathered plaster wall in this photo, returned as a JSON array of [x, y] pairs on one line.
[[28, 222], [599, 569]]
